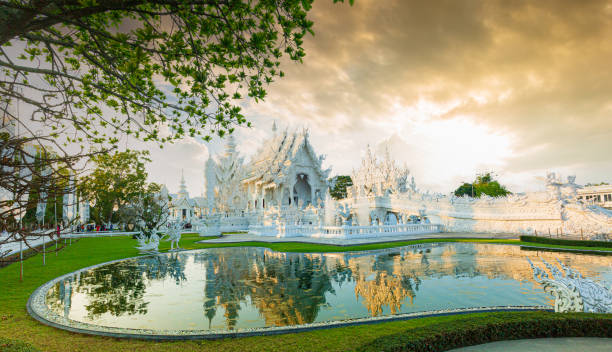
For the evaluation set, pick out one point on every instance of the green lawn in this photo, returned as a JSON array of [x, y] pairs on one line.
[[15, 323]]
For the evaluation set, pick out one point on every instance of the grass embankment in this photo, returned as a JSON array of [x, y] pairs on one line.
[[16, 324]]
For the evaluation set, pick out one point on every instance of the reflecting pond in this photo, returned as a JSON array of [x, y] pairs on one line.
[[236, 288]]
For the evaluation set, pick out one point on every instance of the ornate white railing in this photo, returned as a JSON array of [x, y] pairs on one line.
[[345, 232]]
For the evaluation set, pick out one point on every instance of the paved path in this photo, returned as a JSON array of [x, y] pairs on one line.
[[562, 344], [234, 238], [11, 248]]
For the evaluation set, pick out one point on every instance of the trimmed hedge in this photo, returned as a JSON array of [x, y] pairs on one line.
[[578, 243], [7, 345], [499, 327]]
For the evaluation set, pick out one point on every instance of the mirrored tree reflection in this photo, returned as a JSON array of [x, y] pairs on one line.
[[116, 288]]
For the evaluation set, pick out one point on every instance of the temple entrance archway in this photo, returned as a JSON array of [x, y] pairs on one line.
[[302, 192], [391, 219]]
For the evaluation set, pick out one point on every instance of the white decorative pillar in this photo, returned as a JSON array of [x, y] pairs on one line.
[[312, 190]]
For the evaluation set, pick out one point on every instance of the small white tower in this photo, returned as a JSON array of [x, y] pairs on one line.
[[210, 182], [183, 188]]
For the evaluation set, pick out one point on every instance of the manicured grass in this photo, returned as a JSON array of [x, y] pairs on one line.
[[479, 329], [310, 247], [16, 324]]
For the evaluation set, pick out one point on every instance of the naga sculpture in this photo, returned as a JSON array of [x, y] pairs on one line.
[[343, 211], [173, 235], [572, 291], [148, 245]]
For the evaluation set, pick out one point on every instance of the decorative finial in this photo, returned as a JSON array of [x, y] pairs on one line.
[[274, 128], [183, 186], [231, 145]]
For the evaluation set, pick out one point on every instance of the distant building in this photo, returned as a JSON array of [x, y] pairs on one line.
[[183, 208], [597, 195]]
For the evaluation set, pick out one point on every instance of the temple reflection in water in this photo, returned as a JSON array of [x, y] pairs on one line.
[[233, 288]]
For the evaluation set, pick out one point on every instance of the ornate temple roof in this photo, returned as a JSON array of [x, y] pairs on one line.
[[273, 160]]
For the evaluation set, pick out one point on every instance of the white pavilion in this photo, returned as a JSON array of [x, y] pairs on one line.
[[285, 172]]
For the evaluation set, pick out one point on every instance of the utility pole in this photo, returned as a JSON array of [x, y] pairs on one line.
[[20, 247], [55, 219]]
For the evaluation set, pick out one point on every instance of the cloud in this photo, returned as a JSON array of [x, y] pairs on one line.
[[187, 155], [528, 81]]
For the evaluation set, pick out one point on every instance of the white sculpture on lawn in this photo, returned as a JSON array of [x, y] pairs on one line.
[[343, 211], [173, 234], [148, 245], [572, 291]]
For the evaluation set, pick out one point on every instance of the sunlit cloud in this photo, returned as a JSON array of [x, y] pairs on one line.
[[457, 87]]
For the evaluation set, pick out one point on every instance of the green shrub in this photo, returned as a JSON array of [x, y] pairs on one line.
[[578, 243], [7, 345], [470, 331]]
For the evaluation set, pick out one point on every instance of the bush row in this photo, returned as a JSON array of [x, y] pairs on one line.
[[557, 241], [496, 327]]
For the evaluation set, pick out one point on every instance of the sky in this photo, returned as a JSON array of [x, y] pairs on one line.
[[452, 88]]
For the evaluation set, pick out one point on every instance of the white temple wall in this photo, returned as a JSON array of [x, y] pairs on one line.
[[515, 214]]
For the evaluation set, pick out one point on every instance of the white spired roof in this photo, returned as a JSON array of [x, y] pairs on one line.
[[273, 161]]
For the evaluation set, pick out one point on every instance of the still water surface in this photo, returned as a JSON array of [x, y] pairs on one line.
[[236, 288]]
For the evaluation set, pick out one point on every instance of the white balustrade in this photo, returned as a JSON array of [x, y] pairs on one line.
[[345, 232]]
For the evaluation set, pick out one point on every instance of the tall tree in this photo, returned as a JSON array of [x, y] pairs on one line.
[[484, 184], [148, 211], [117, 179], [338, 186], [100, 69], [86, 74]]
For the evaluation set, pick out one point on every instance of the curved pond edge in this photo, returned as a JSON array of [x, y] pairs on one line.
[[38, 309]]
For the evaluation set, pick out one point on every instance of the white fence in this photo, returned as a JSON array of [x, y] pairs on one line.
[[344, 232]]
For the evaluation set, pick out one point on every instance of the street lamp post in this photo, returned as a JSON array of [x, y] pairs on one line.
[[55, 219]]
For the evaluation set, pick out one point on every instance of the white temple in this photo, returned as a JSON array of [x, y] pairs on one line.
[[286, 171], [283, 191]]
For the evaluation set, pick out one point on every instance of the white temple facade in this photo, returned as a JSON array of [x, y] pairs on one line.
[[286, 171], [381, 195], [284, 175], [597, 195], [283, 192]]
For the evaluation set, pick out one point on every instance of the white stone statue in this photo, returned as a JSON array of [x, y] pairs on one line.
[[343, 211], [572, 291], [148, 245], [173, 234], [202, 227], [310, 217]]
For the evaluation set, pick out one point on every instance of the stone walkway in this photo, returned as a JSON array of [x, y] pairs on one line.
[[562, 344], [234, 238], [11, 248]]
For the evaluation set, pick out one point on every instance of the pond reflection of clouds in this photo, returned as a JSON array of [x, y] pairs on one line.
[[235, 288]]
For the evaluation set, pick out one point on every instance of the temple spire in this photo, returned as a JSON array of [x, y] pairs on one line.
[[183, 188], [230, 148]]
